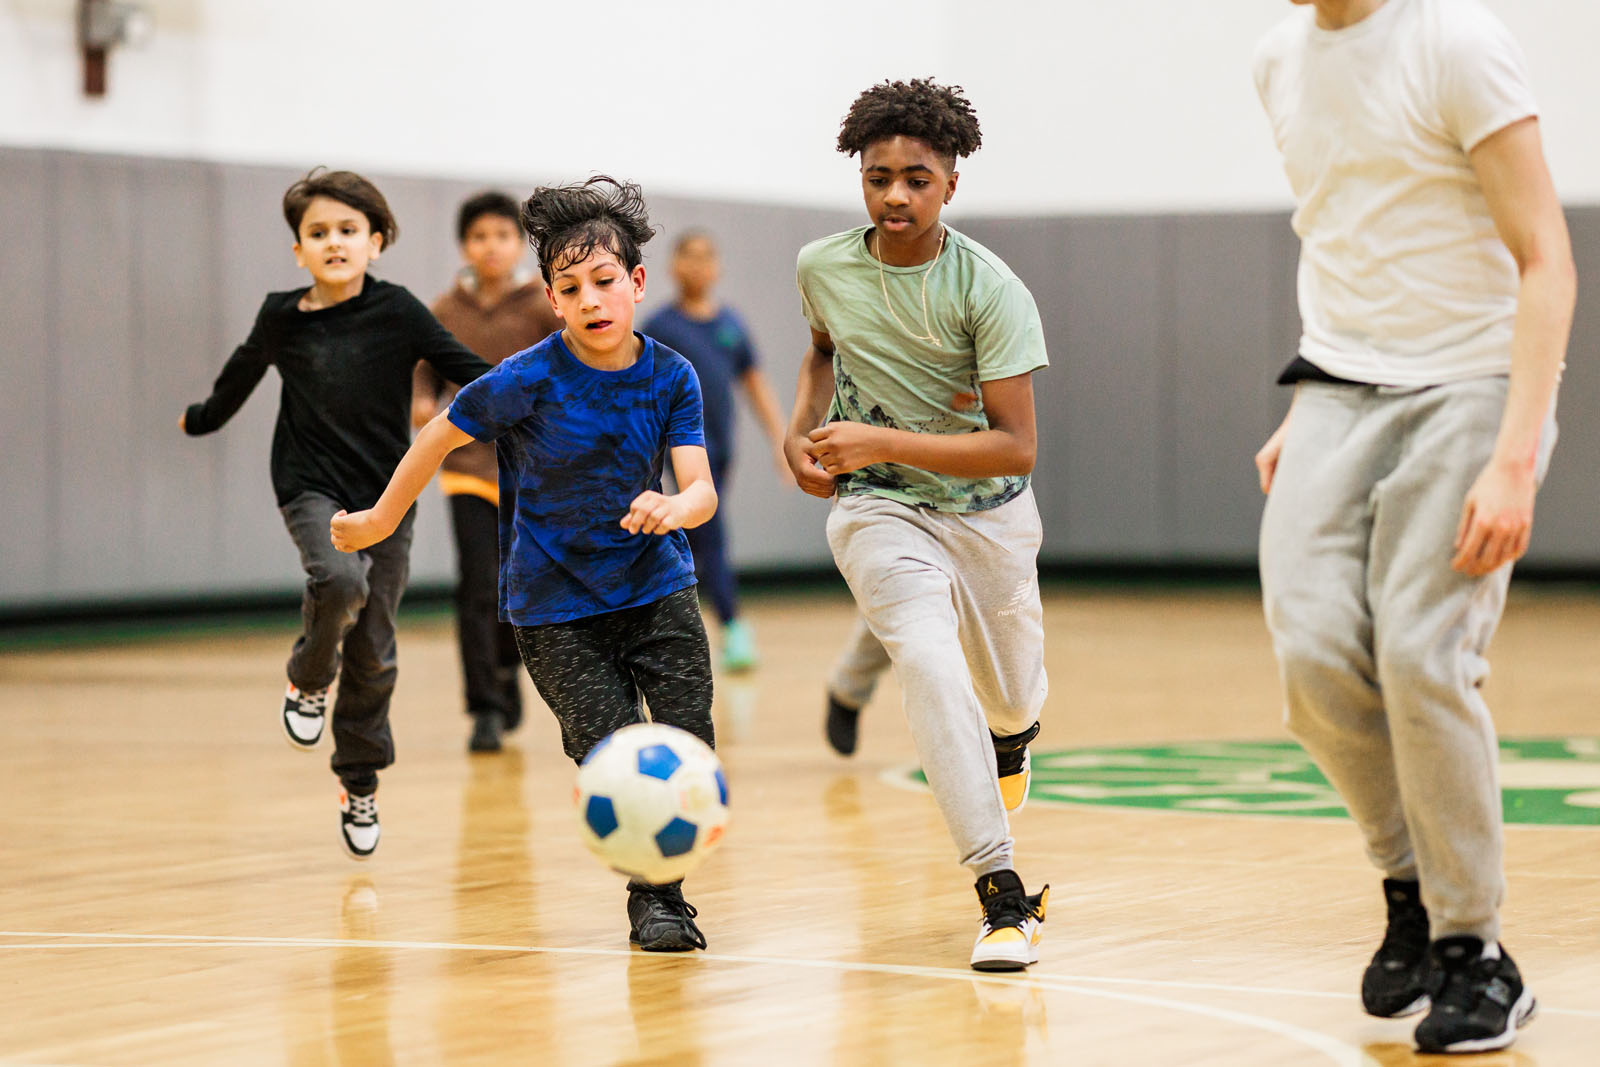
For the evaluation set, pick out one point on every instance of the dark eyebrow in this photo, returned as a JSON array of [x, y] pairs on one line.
[[922, 167]]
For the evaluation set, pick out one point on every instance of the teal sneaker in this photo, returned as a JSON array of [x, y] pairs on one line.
[[738, 647]]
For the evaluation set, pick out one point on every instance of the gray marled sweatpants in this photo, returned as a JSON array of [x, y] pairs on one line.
[[1380, 644], [954, 600]]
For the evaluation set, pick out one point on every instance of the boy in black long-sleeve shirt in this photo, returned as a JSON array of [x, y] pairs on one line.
[[344, 347]]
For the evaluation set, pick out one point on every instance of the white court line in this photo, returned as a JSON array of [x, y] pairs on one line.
[[1340, 1053], [209, 940]]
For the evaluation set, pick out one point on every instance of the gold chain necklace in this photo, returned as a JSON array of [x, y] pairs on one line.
[[884, 285]]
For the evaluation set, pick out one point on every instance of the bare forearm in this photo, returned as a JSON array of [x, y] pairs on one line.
[[699, 502], [435, 441], [765, 404], [1539, 344], [984, 454], [812, 392]]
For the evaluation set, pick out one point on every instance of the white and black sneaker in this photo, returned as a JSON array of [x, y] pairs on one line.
[[1479, 1001], [304, 713], [358, 823]]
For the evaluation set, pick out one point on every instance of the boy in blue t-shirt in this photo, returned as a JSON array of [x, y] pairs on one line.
[[715, 342], [595, 570]]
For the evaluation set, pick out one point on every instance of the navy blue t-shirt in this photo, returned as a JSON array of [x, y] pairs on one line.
[[576, 445], [719, 350]]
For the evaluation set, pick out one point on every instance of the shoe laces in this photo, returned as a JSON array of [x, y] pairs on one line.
[[669, 898], [311, 702], [363, 809], [1008, 909]]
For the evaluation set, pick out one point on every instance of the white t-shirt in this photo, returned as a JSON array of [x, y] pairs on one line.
[[1403, 280]]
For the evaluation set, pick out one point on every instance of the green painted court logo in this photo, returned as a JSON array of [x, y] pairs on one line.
[[1544, 782]]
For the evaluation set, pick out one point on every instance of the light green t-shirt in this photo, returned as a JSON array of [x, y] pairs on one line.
[[987, 326]]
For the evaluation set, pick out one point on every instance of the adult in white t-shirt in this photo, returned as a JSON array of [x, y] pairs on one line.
[[1436, 288]]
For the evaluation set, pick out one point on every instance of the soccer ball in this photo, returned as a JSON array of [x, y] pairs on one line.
[[652, 801]]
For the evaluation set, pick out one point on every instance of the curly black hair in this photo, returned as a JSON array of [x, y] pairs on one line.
[[920, 108], [568, 223]]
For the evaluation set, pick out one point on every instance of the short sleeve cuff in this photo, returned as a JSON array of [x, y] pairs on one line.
[[466, 425], [1481, 133]]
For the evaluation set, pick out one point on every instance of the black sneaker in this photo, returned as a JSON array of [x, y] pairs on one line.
[[661, 920], [305, 711], [358, 823], [486, 730], [1478, 1004], [1396, 981], [842, 726], [1014, 766], [1009, 932]]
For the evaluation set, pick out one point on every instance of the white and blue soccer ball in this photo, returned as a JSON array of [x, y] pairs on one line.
[[652, 802]]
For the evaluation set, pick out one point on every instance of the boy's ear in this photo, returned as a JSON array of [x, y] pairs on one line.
[[299, 257], [550, 295], [638, 283], [375, 244], [950, 186]]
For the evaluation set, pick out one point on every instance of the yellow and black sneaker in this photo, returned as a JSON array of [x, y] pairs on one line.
[[1009, 934], [1014, 766]]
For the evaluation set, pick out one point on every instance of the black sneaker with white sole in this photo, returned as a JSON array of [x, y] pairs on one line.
[[660, 920], [1479, 1003], [1396, 981], [358, 823], [305, 712]]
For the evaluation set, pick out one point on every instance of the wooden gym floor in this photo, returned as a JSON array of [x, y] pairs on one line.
[[172, 890]]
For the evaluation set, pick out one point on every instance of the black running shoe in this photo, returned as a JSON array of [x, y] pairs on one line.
[[486, 730], [1014, 766], [661, 920], [842, 725], [1478, 1004], [1396, 981]]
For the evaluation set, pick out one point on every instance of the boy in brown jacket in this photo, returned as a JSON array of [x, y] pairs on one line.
[[497, 310]]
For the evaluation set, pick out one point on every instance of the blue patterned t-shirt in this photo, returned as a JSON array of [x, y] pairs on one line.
[[576, 445]]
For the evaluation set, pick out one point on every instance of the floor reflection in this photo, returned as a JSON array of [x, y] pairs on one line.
[[1396, 1054], [359, 983]]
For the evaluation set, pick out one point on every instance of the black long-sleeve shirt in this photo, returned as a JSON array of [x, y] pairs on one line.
[[344, 418]]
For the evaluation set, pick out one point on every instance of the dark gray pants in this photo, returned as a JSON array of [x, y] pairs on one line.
[[593, 671], [348, 614]]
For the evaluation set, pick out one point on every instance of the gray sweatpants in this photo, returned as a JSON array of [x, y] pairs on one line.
[[954, 599], [1380, 644], [861, 663]]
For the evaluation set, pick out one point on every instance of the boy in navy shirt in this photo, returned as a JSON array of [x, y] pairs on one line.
[[715, 342], [344, 347], [595, 570]]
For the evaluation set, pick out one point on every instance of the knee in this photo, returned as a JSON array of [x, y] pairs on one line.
[[346, 589], [1017, 710], [1411, 666]]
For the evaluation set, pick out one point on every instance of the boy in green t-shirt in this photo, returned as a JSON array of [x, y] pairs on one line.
[[915, 409]]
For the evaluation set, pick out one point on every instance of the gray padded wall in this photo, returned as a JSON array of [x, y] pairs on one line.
[[125, 282]]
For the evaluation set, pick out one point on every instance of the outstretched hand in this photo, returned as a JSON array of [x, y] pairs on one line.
[[351, 531], [1496, 519]]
